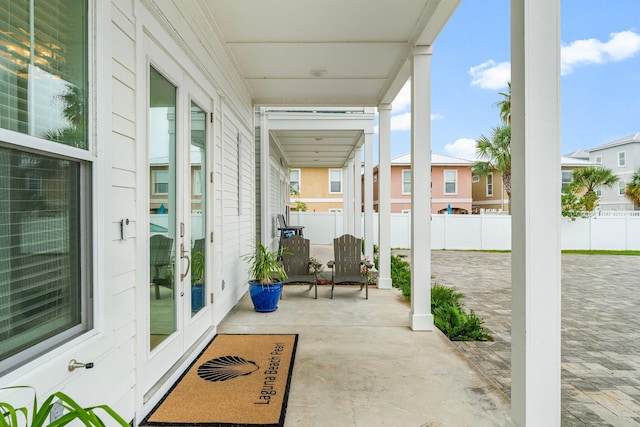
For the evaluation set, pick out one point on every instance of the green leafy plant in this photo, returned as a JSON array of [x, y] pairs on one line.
[[39, 415], [450, 317], [401, 276], [197, 267], [264, 265]]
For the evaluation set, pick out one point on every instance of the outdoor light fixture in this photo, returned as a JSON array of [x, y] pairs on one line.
[[318, 73]]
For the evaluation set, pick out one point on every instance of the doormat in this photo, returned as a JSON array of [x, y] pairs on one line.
[[237, 380]]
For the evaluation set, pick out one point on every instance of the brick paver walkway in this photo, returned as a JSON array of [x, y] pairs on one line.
[[600, 329]]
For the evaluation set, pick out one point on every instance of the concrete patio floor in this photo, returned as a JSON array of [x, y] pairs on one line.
[[358, 363]]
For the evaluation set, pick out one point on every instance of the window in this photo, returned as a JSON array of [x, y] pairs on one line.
[[567, 177], [490, 185], [160, 181], [621, 187], [598, 190], [475, 178], [406, 181], [335, 181], [197, 180], [598, 160], [622, 159], [335, 210], [294, 180], [450, 181], [45, 229]]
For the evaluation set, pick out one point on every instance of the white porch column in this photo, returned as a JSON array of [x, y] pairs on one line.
[[357, 192], [384, 196], [368, 195], [421, 317], [265, 217], [347, 196], [535, 258]]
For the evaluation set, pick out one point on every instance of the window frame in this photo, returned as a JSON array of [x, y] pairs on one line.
[[622, 160], [154, 182], [489, 185], [475, 179], [331, 181], [89, 207], [299, 173], [455, 181], [405, 181], [622, 186]]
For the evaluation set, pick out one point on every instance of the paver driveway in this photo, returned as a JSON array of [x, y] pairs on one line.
[[600, 329]]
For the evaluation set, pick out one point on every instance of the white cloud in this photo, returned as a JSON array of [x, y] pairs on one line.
[[403, 121], [621, 46], [463, 148], [402, 101], [490, 75]]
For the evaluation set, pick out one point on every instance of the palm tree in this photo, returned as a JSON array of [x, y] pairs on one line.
[[494, 154], [632, 190], [505, 106], [588, 178]]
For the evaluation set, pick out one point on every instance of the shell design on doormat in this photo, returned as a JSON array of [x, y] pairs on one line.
[[226, 368]]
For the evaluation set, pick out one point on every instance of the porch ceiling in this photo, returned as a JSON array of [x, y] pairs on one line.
[[328, 52], [317, 148]]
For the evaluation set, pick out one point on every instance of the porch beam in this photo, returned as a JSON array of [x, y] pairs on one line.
[[535, 257], [384, 196], [421, 318]]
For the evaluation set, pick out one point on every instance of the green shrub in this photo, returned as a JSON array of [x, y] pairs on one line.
[[450, 317], [446, 305]]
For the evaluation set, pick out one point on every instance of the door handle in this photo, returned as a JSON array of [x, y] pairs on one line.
[[184, 255]]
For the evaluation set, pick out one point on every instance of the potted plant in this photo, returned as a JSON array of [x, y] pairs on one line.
[[197, 280], [266, 273]]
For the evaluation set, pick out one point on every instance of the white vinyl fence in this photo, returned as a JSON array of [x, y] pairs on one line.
[[480, 232]]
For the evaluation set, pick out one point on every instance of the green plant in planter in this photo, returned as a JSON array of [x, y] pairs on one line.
[[197, 267], [264, 265], [266, 274], [39, 415]]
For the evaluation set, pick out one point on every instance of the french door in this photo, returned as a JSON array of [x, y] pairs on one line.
[[179, 310]]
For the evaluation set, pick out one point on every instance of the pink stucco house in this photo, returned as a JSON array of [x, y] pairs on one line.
[[450, 186]]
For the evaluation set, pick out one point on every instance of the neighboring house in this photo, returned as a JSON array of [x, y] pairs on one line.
[[622, 156], [320, 189], [570, 163], [489, 195], [450, 184]]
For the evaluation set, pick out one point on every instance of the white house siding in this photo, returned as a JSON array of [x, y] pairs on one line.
[[117, 344]]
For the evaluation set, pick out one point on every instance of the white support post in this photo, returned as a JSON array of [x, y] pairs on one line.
[[357, 192], [368, 195], [384, 196], [421, 318], [347, 196], [265, 216], [535, 258]]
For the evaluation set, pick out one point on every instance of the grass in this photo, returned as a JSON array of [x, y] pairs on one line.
[[601, 252], [564, 251]]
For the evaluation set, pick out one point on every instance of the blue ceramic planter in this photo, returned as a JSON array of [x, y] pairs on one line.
[[265, 297], [197, 297]]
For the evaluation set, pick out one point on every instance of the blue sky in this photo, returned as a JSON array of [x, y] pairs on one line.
[[600, 83]]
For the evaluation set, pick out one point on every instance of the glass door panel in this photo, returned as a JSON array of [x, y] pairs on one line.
[[162, 208], [198, 208]]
